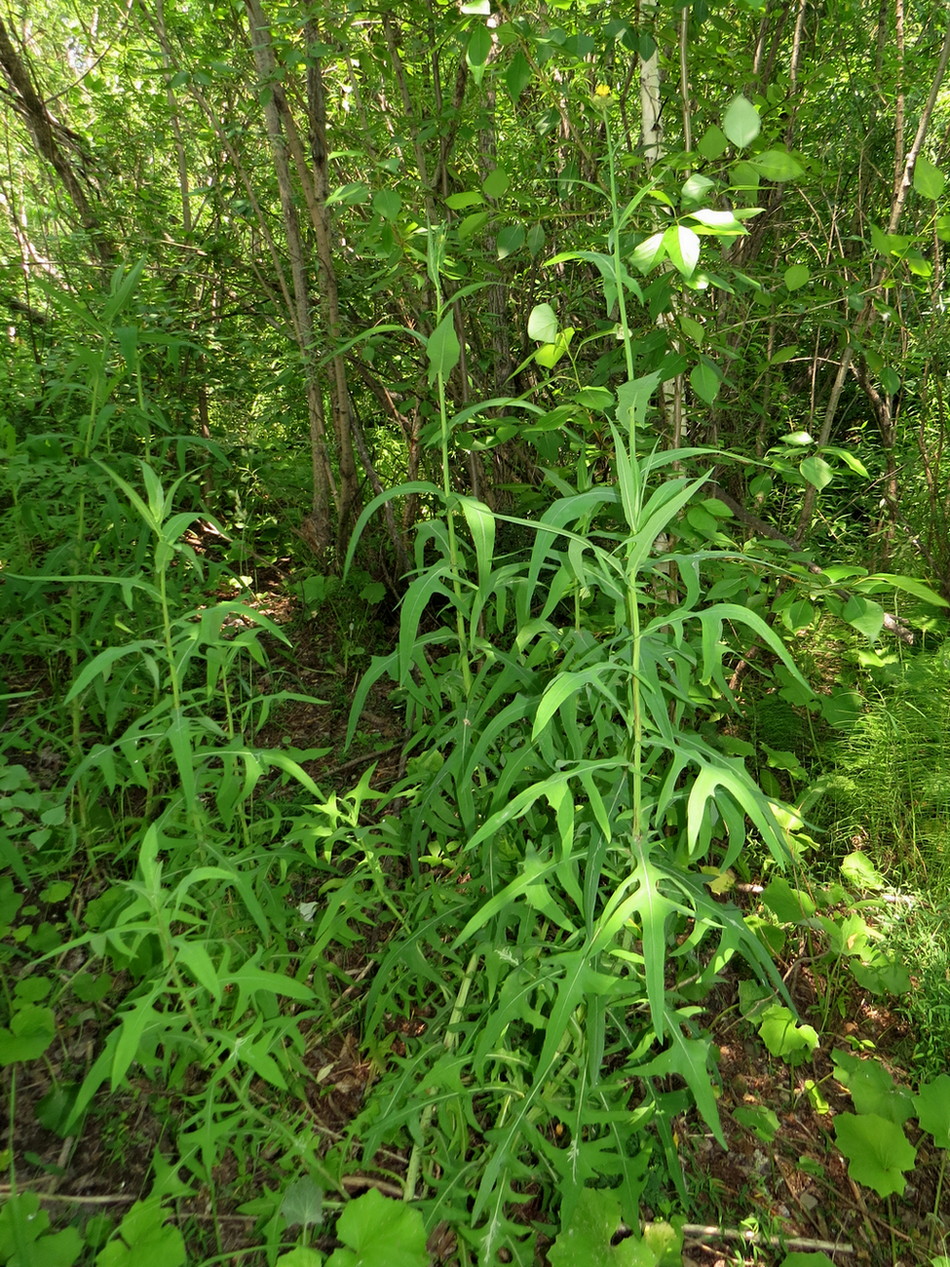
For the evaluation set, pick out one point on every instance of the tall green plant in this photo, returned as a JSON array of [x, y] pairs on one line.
[[565, 787]]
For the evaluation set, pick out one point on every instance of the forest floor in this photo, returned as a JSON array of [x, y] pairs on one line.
[[777, 1188]]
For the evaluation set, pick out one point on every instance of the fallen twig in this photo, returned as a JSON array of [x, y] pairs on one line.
[[696, 1233]]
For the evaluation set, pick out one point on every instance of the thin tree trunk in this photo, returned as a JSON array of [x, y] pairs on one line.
[[317, 529], [42, 127], [320, 220], [867, 316]]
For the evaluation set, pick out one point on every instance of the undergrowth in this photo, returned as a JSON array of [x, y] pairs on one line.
[[513, 949]]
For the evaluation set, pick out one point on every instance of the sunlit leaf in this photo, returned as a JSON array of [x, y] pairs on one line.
[[777, 165], [929, 181], [741, 122], [817, 471], [443, 348], [878, 1151], [932, 1106], [682, 246], [542, 324]]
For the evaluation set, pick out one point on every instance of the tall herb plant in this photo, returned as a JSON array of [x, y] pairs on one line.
[[568, 801]]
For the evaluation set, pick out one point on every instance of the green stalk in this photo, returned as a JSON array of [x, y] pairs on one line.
[[635, 750], [464, 664], [449, 1042], [940, 1179], [618, 265]]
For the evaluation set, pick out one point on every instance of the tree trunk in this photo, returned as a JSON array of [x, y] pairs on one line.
[[43, 128], [317, 528]]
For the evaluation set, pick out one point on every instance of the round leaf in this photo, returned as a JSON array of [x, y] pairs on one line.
[[387, 203], [777, 165], [713, 143], [864, 615], [495, 183], [542, 324], [796, 277], [741, 122]]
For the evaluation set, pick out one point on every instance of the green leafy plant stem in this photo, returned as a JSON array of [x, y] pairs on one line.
[[450, 1042], [617, 225], [635, 754], [436, 248], [934, 1226], [152, 868]]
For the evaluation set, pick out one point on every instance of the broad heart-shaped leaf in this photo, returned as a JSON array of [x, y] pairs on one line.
[[933, 1109], [859, 870], [762, 1121], [145, 1240], [302, 1204], [872, 1088], [32, 1030], [881, 975], [784, 1037], [302, 1256], [588, 1237], [790, 906], [878, 1151], [741, 122], [379, 1232], [443, 348], [807, 1260]]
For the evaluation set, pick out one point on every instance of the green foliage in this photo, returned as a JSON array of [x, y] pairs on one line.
[[522, 930], [894, 764], [376, 1232], [565, 776], [878, 1152], [592, 1235]]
